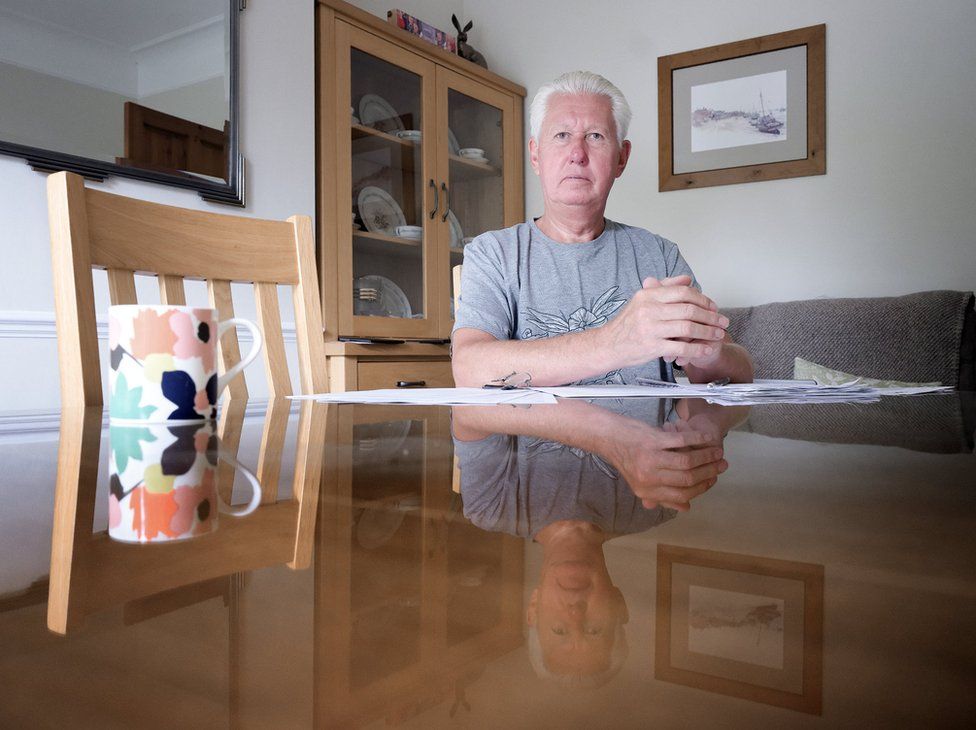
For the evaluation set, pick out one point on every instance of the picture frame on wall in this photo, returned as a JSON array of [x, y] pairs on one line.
[[740, 625], [746, 111]]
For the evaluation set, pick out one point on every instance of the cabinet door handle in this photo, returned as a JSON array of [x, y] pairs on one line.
[[411, 383], [447, 194], [437, 200]]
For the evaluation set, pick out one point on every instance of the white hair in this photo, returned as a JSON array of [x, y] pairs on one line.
[[578, 83], [618, 655]]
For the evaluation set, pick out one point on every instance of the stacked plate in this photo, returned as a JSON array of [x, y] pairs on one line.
[[414, 233], [457, 234], [475, 154], [411, 135]]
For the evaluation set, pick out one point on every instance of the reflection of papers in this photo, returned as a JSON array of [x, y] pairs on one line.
[[762, 391], [435, 397]]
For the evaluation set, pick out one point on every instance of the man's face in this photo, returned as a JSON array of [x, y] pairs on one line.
[[577, 156], [576, 611]]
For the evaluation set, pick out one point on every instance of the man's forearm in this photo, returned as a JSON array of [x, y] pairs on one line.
[[733, 363], [551, 361], [572, 422]]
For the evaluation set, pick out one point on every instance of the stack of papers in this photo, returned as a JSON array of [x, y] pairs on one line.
[[761, 391]]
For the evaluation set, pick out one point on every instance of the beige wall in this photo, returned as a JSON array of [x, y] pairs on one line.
[[50, 112], [203, 102]]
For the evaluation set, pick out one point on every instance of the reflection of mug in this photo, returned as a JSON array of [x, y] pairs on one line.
[[163, 482], [164, 362]]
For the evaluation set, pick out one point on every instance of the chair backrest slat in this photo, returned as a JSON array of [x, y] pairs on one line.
[[269, 317], [171, 290], [74, 296], [308, 309], [456, 278], [228, 346], [133, 234], [121, 286]]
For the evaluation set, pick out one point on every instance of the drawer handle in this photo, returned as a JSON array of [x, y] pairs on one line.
[[411, 383]]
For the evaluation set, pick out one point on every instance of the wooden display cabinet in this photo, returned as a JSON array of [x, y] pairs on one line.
[[394, 114]]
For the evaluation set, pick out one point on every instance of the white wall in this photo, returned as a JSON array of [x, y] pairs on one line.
[[895, 212]]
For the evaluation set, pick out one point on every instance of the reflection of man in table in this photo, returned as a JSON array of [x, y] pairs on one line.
[[571, 477], [572, 296]]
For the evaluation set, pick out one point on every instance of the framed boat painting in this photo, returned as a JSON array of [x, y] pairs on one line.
[[741, 625], [743, 112]]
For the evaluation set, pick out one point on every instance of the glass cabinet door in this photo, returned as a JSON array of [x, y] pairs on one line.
[[476, 143], [387, 279]]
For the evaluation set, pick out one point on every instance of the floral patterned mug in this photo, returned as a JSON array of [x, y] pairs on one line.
[[163, 482], [164, 362]]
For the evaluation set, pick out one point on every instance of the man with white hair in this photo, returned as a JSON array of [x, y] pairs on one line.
[[574, 297]]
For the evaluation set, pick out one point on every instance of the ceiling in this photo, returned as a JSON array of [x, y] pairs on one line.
[[121, 23]]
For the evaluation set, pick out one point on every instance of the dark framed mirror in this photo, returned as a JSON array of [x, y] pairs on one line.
[[145, 89]]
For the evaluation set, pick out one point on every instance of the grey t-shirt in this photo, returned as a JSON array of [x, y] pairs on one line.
[[519, 284]]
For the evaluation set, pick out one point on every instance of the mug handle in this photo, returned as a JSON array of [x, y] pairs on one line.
[[255, 488], [255, 331]]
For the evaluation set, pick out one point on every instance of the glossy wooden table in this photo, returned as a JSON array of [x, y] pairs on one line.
[[826, 580]]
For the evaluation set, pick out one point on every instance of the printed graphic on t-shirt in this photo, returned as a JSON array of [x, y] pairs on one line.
[[540, 446], [596, 314], [584, 318]]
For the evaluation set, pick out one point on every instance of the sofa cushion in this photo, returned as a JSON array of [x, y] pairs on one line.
[[806, 370], [916, 337]]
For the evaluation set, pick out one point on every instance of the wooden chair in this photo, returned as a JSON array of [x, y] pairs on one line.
[[93, 229]]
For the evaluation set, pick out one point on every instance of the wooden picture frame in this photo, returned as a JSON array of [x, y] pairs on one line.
[[701, 144], [710, 605]]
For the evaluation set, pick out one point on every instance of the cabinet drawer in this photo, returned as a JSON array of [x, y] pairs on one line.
[[433, 374]]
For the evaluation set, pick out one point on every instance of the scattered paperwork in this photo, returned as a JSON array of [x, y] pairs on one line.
[[436, 396], [759, 392]]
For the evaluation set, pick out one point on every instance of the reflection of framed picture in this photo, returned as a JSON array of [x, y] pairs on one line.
[[742, 112], [740, 625]]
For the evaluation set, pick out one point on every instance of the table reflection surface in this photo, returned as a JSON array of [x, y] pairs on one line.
[[616, 562]]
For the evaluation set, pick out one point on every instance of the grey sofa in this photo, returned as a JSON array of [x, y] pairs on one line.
[[919, 337]]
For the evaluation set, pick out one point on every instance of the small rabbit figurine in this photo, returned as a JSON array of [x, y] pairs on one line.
[[464, 50]]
